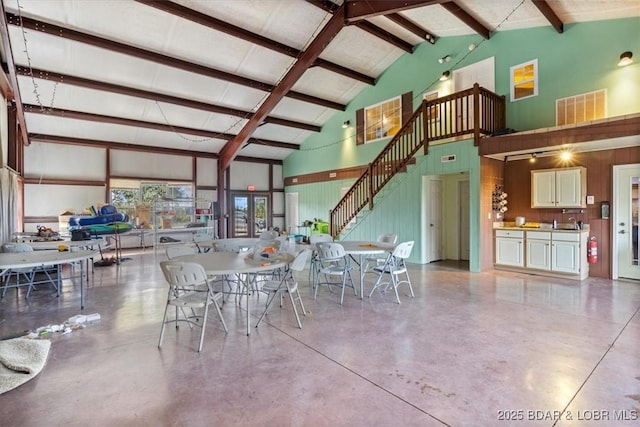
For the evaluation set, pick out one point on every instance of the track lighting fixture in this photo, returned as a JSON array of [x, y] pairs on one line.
[[625, 59], [346, 124], [445, 76], [444, 59]]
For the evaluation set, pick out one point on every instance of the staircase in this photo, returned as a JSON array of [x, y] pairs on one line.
[[475, 111]]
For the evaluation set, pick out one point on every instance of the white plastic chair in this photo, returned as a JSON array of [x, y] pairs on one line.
[[186, 290], [180, 250], [289, 285], [315, 264], [29, 273], [269, 235], [334, 262], [394, 266], [376, 261]]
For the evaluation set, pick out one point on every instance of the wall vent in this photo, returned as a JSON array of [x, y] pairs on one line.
[[449, 158], [581, 108]]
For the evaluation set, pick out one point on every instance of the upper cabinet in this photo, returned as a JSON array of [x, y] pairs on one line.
[[559, 188]]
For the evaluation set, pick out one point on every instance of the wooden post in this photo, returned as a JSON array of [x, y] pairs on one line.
[[476, 114]]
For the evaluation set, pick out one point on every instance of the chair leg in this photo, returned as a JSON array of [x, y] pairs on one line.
[[270, 299], [164, 323], [203, 325], [295, 310], [224, 324], [395, 284]]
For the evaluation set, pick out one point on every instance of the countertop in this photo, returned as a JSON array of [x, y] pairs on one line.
[[538, 227]]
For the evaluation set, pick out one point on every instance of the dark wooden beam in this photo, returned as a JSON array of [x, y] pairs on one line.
[[69, 34], [5, 85], [13, 78], [79, 115], [384, 35], [243, 34], [358, 10], [543, 6], [65, 140], [465, 17], [154, 96], [306, 59], [411, 26]]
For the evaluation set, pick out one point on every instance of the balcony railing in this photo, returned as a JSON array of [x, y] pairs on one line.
[[474, 111]]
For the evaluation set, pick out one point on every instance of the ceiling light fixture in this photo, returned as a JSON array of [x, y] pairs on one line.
[[565, 155], [472, 46], [445, 76], [346, 124], [445, 58], [625, 59], [532, 159]]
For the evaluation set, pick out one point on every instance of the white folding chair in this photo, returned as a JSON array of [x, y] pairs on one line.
[[394, 266], [186, 290], [29, 273], [334, 262], [180, 250], [375, 261], [289, 285], [315, 262]]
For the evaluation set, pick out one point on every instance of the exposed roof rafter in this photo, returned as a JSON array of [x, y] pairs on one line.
[[319, 43], [148, 55], [155, 96], [412, 26], [80, 115], [358, 10], [241, 33], [548, 13], [465, 17]]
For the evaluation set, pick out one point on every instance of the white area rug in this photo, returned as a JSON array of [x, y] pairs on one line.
[[21, 359]]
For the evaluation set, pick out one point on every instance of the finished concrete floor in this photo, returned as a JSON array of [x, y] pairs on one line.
[[471, 349]]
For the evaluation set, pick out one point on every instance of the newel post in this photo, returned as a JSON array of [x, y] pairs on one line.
[[476, 114], [425, 126]]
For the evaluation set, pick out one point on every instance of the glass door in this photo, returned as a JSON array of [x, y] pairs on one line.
[[249, 214]]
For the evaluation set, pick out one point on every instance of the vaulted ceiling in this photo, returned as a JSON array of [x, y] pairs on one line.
[[234, 79]]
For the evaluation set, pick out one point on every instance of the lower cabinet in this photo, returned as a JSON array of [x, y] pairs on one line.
[[562, 254], [510, 248], [538, 250]]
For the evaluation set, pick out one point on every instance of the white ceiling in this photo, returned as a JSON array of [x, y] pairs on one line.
[[293, 23]]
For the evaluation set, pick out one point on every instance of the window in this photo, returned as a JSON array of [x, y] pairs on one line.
[[127, 195], [524, 80], [581, 108], [383, 120]]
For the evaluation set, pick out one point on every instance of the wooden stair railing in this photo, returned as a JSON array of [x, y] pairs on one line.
[[474, 111]]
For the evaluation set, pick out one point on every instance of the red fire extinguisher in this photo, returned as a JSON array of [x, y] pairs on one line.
[[592, 250]]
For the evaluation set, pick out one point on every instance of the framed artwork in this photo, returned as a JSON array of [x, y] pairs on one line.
[[434, 112]]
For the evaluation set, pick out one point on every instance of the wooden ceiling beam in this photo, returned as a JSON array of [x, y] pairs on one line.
[[372, 29], [306, 59], [140, 53], [544, 7], [13, 78], [457, 11], [100, 118], [359, 10], [154, 96], [411, 26], [241, 33]]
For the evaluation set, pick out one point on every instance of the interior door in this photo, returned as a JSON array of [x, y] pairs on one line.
[[435, 224], [463, 203], [249, 215], [626, 183]]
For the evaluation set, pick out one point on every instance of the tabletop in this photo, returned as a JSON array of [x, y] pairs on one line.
[[42, 258], [366, 248], [53, 244], [223, 263]]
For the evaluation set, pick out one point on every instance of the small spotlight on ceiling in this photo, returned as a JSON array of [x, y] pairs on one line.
[[346, 124], [625, 59], [446, 58], [445, 76], [532, 159], [472, 46], [565, 155]]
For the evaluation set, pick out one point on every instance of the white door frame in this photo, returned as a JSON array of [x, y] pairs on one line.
[[425, 219], [616, 216]]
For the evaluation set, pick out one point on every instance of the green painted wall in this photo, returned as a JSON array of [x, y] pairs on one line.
[[582, 59]]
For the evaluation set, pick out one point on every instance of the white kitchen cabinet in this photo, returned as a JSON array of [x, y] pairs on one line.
[[538, 250], [559, 188], [565, 253], [509, 248]]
